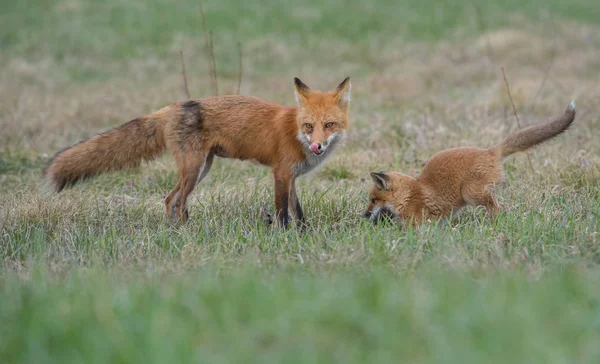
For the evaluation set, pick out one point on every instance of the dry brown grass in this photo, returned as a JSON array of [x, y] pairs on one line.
[[409, 101], [420, 86]]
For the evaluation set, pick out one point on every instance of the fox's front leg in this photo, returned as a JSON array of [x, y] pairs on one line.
[[282, 193], [294, 205]]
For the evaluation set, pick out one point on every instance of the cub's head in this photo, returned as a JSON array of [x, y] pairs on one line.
[[389, 196], [322, 116]]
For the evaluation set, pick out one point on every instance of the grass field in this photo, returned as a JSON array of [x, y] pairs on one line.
[[97, 274]]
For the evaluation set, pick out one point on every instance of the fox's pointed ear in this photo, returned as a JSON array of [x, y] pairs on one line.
[[380, 179], [302, 91], [343, 92]]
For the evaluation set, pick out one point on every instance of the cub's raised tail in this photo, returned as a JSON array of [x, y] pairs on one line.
[[125, 146], [533, 135]]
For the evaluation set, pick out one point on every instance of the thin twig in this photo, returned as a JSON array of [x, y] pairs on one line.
[[214, 65], [515, 111], [511, 99], [203, 20], [241, 73], [183, 74], [209, 52], [543, 83], [546, 73], [483, 29]]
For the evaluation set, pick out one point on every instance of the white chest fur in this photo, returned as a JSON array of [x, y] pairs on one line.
[[312, 160]]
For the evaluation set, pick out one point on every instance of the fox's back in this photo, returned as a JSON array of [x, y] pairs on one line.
[[242, 127], [448, 170], [234, 113]]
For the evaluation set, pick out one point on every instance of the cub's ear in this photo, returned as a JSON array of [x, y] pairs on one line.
[[302, 91], [380, 179], [342, 92]]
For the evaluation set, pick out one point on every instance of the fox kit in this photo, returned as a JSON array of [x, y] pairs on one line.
[[455, 177], [290, 140]]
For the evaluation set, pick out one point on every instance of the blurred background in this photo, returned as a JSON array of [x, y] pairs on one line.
[[72, 68], [97, 274]]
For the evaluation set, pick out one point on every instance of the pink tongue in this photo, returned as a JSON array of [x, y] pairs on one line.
[[314, 147]]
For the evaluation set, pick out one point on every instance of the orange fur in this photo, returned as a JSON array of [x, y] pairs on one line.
[[455, 177], [196, 131]]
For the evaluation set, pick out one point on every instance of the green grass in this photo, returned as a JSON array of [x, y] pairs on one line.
[[69, 31], [107, 228], [294, 316], [97, 274]]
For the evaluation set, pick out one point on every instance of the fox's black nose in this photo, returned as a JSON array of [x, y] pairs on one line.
[[320, 147], [367, 214]]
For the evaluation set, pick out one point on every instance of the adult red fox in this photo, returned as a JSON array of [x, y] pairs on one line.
[[455, 177], [290, 140]]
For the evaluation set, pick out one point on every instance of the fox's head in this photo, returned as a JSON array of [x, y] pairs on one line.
[[390, 195], [322, 116]]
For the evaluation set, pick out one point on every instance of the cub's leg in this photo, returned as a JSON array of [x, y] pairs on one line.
[[480, 194]]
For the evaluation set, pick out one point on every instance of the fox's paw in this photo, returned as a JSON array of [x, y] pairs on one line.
[[302, 226], [185, 215], [178, 217], [265, 216]]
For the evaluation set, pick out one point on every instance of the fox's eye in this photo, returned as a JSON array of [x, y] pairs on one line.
[[372, 200], [308, 126], [328, 125]]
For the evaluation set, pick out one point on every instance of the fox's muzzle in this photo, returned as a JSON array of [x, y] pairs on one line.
[[317, 148], [378, 214]]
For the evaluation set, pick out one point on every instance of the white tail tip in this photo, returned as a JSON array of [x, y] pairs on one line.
[[571, 106]]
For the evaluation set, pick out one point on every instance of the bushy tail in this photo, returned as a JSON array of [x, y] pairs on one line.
[[126, 146], [533, 135]]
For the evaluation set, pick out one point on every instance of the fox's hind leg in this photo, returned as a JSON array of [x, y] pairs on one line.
[[174, 195], [482, 195], [206, 167], [170, 207], [192, 169]]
